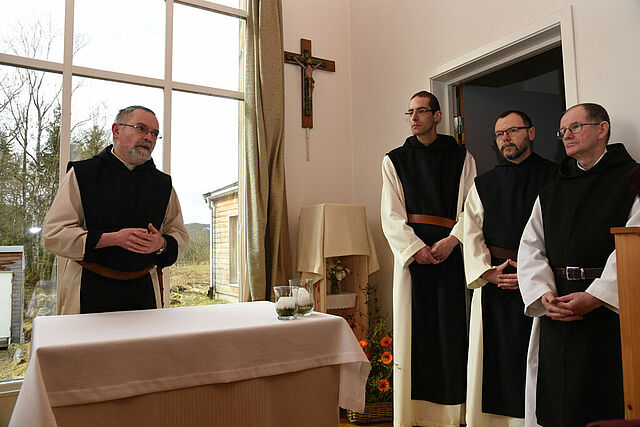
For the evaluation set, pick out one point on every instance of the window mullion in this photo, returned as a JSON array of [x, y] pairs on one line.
[[65, 139], [32, 63], [168, 86], [216, 8]]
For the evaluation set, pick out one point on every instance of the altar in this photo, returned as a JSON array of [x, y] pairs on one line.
[[228, 365]]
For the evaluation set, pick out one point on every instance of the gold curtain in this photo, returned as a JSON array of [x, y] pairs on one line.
[[268, 252]]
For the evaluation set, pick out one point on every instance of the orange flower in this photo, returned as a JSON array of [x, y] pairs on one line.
[[385, 342], [386, 357], [364, 343], [384, 385]]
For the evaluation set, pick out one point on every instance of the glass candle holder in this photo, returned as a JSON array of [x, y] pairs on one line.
[[305, 300], [286, 302]]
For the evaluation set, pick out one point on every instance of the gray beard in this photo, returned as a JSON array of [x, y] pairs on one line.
[[139, 155]]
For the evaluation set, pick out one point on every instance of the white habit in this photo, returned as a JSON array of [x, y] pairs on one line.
[[536, 279], [404, 243]]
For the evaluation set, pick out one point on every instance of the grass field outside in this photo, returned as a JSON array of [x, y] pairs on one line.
[[190, 285]]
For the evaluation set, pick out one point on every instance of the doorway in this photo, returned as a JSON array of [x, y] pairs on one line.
[[552, 35], [534, 85]]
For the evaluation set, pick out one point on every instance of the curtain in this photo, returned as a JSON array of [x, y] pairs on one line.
[[268, 252]]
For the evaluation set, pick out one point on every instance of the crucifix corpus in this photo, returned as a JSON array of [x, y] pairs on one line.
[[308, 64]]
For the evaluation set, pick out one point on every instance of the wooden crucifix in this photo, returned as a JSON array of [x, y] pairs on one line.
[[308, 65]]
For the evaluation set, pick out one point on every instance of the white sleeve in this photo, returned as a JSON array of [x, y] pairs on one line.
[[466, 182], [64, 229], [477, 258], [606, 287], [402, 239], [535, 276], [173, 225]]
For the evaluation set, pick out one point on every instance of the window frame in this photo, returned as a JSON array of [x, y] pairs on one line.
[[167, 84]]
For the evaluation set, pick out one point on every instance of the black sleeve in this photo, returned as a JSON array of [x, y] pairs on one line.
[[170, 254]]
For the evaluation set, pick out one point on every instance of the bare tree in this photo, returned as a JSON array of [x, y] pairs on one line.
[[30, 117], [89, 141]]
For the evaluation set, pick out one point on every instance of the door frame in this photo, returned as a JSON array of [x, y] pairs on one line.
[[551, 31]]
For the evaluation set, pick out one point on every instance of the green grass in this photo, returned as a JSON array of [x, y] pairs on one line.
[[190, 276], [189, 286], [189, 299], [13, 369]]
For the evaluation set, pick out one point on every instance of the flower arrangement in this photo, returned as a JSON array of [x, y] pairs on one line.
[[378, 347], [335, 273]]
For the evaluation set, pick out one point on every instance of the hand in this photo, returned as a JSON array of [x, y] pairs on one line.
[[504, 281], [423, 256], [442, 248], [118, 238], [580, 303], [140, 240], [144, 242], [557, 310]]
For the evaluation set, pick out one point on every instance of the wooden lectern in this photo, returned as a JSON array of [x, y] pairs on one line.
[[628, 260]]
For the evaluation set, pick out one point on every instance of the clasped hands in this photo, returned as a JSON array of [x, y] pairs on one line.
[[436, 253], [569, 307], [503, 280], [138, 240]]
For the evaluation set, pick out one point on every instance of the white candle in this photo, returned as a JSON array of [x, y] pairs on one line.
[[286, 302], [304, 298]]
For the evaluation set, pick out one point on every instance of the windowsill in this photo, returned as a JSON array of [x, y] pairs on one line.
[[10, 387]]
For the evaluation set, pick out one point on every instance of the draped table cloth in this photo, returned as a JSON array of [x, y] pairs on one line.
[[231, 364], [332, 230]]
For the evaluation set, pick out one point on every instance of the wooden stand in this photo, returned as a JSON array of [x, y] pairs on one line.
[[356, 282], [628, 260], [331, 232]]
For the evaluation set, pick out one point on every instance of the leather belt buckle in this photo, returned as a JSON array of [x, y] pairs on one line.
[[574, 273]]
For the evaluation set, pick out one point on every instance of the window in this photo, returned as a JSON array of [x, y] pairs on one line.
[[234, 249], [59, 94]]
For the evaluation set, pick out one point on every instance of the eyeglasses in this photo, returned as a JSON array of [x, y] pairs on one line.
[[499, 136], [143, 130], [419, 111], [574, 128]]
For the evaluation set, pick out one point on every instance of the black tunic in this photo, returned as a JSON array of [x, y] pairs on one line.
[[507, 193], [430, 178], [114, 197], [580, 367]]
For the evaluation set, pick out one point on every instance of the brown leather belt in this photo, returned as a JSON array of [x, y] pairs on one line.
[[111, 273], [577, 273], [503, 253], [431, 220]]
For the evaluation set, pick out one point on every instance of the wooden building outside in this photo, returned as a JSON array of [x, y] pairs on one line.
[[12, 260], [224, 252]]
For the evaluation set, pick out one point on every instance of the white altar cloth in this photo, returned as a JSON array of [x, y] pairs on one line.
[[89, 358]]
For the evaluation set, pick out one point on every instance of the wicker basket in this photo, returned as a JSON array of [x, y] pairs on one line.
[[379, 412]]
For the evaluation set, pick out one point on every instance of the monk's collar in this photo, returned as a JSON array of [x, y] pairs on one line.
[[130, 167]]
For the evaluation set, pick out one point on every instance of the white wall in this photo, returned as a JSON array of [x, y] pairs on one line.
[[328, 176], [394, 45], [384, 51]]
